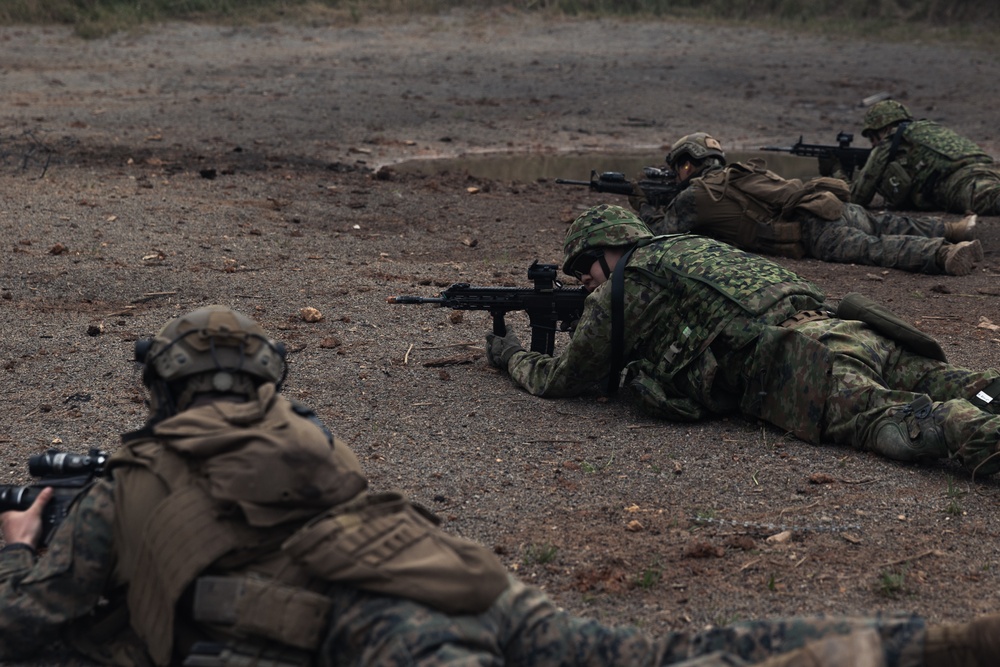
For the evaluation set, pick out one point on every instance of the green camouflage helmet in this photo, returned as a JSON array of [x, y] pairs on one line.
[[698, 146], [603, 226], [883, 114]]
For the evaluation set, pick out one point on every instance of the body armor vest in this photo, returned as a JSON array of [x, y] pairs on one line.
[[754, 208], [250, 510]]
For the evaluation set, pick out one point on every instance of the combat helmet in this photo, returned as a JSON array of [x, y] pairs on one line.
[[883, 114], [698, 146], [211, 349], [603, 226]]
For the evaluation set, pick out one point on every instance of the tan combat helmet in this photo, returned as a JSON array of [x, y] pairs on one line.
[[603, 226], [697, 146], [882, 115], [211, 349]]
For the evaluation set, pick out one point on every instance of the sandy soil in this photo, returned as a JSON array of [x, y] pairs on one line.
[[142, 176]]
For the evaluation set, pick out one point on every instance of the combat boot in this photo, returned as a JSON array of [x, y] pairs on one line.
[[910, 433], [972, 644], [861, 648], [961, 230], [958, 259]]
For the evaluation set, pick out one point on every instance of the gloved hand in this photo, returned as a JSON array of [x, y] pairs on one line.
[[499, 349]]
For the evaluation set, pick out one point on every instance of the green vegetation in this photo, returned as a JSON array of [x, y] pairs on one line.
[[650, 576], [888, 18], [892, 583], [540, 554], [954, 494]]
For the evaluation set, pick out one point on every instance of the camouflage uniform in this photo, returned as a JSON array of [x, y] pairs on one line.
[[711, 330], [234, 517], [857, 236], [925, 167], [56, 597]]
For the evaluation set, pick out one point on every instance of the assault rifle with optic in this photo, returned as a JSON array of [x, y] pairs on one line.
[[843, 153], [659, 187], [549, 305], [68, 474]]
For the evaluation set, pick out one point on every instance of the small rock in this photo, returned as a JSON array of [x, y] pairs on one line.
[[309, 314]]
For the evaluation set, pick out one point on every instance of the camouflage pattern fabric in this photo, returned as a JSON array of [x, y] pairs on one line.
[[524, 627], [42, 601], [888, 240], [873, 376], [858, 237], [703, 337], [934, 168], [38, 600]]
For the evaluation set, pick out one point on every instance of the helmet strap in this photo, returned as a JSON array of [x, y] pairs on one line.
[[604, 267]]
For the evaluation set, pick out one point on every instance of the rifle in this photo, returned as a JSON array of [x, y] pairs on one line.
[[68, 474], [547, 304], [848, 157], [659, 186]]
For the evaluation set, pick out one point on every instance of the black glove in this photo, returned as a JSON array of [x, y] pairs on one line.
[[499, 349]]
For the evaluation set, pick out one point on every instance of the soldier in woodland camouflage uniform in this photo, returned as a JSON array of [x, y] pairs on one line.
[[233, 530], [707, 329], [918, 164], [754, 209]]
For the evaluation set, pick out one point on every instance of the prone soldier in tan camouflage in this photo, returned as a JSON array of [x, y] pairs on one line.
[[746, 205], [919, 164], [233, 530]]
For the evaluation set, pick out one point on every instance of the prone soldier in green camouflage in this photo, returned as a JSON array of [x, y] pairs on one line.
[[710, 330], [135, 574], [919, 164], [755, 209]]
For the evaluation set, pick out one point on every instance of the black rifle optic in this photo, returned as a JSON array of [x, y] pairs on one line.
[[659, 187], [549, 305], [850, 159], [68, 474]]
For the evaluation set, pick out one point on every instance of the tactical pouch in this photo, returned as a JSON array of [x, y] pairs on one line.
[[255, 607], [653, 400], [856, 306], [899, 186], [386, 545]]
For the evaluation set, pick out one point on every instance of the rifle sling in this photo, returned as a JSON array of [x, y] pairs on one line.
[[896, 138], [618, 322]]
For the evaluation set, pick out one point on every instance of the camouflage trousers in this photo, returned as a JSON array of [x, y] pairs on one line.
[[862, 237], [973, 188], [524, 627], [870, 376]]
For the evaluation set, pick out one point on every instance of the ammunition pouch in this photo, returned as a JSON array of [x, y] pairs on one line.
[[653, 399], [255, 607], [856, 306], [899, 186]]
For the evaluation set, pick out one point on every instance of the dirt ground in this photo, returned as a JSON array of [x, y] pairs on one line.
[[143, 176]]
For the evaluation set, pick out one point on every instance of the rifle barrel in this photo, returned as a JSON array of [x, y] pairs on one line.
[[414, 299]]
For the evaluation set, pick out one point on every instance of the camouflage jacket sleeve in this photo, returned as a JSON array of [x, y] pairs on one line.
[[866, 182], [586, 361], [679, 217], [66, 582], [583, 362]]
